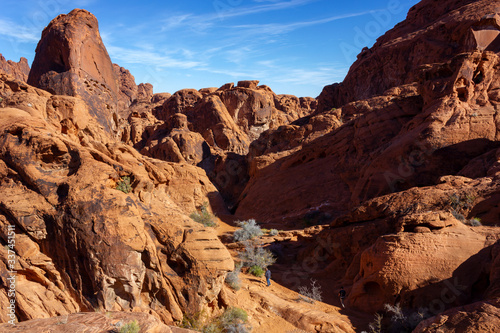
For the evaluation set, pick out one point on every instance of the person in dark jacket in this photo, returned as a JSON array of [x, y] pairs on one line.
[[268, 276], [342, 295]]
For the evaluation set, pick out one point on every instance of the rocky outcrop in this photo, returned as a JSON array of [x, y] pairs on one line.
[[431, 33], [82, 243], [93, 323], [424, 125], [219, 128], [72, 60], [19, 70]]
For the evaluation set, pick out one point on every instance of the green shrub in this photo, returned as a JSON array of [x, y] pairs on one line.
[[256, 271], [273, 232], [249, 230], [204, 216], [124, 184], [132, 327]]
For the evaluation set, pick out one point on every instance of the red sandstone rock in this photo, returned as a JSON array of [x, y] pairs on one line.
[[84, 244], [128, 89], [431, 33], [19, 70], [72, 60], [92, 322]]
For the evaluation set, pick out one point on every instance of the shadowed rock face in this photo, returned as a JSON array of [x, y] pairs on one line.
[[432, 122], [71, 60]]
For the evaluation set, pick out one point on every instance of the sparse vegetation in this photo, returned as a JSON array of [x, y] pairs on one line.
[[256, 271], [376, 325], [233, 320], [312, 294], [460, 206], [124, 184], [132, 327], [255, 255], [249, 230], [204, 216], [273, 232], [399, 322], [474, 222], [233, 278]]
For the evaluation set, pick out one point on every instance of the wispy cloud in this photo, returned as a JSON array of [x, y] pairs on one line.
[[223, 10], [279, 28], [20, 33], [151, 58]]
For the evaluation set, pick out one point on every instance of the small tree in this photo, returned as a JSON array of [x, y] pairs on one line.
[[249, 230]]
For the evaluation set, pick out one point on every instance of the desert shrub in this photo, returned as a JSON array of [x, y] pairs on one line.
[[474, 222], [192, 321], [249, 230], [458, 215], [461, 202], [233, 320], [124, 184], [376, 325], [311, 294], [132, 327], [204, 216], [273, 232], [233, 316], [255, 255], [233, 278], [256, 271]]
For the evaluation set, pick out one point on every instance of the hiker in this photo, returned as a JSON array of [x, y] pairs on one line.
[[268, 276], [342, 294]]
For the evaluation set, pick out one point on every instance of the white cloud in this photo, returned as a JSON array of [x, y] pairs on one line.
[[17, 32], [278, 28], [150, 58]]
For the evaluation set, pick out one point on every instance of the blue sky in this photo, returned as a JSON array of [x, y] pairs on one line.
[[293, 46]]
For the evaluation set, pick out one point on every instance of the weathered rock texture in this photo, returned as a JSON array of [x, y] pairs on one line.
[[92, 323], [19, 70], [82, 244], [430, 122], [214, 128], [72, 60]]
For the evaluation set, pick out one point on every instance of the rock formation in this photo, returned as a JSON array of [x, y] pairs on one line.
[[19, 70], [82, 244], [398, 166], [72, 60], [218, 127], [440, 118]]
